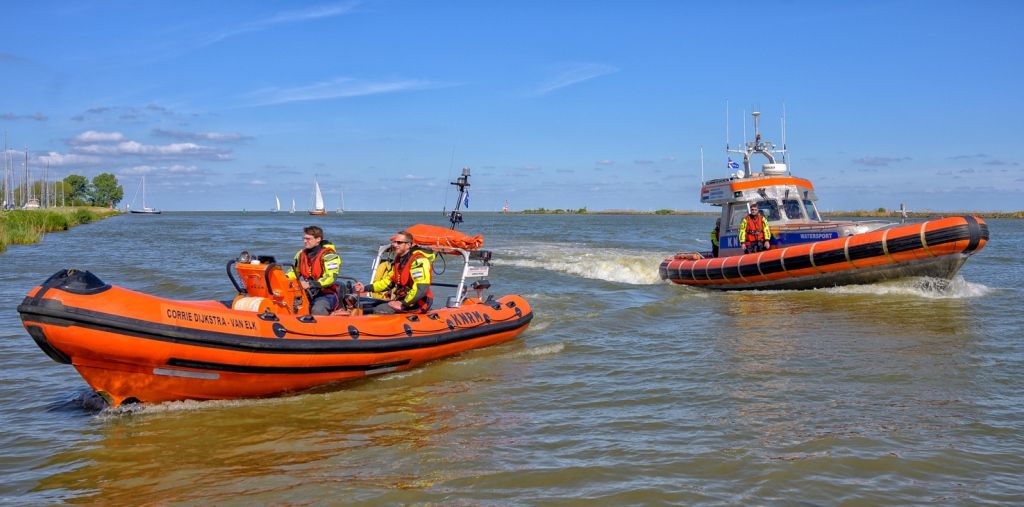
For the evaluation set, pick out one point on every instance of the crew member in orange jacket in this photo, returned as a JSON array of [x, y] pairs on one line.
[[316, 267], [410, 278], [755, 235]]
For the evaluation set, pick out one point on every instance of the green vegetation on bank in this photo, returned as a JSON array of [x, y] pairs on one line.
[[24, 227], [559, 211]]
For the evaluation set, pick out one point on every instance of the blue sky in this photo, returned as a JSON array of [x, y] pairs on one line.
[[559, 104]]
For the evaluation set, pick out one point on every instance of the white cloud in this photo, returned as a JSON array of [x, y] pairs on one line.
[[337, 88], [139, 169], [605, 162], [171, 169], [174, 150], [65, 159], [92, 136], [575, 74]]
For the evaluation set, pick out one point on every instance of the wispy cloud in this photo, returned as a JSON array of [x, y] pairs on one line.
[[68, 159], [605, 162], [219, 137], [164, 171], [575, 74], [172, 151], [879, 161], [284, 17], [127, 113], [12, 116], [341, 87], [1000, 162]]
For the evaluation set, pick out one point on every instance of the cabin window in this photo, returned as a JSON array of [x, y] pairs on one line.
[[793, 209], [736, 213], [770, 209], [812, 211]]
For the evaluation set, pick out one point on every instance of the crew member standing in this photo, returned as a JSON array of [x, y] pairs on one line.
[[316, 267], [714, 237], [755, 235], [409, 280]]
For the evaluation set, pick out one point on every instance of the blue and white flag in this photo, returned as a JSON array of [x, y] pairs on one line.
[[733, 165], [465, 202]]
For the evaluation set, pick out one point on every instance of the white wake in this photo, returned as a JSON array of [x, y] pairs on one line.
[[610, 264]]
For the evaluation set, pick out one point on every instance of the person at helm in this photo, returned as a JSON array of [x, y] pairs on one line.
[[317, 265], [409, 280], [755, 235]]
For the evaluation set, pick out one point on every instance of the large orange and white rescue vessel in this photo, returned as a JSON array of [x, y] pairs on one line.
[[808, 251], [135, 347]]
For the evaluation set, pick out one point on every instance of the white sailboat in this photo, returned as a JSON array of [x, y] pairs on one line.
[[293, 206], [318, 200], [277, 204], [341, 203], [146, 210]]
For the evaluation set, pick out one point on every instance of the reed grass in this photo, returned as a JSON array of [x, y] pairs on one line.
[[24, 227]]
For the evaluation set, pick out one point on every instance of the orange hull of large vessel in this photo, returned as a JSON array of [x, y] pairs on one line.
[[131, 346], [936, 248]]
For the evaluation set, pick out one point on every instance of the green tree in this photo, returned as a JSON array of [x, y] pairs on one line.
[[77, 189], [106, 191]]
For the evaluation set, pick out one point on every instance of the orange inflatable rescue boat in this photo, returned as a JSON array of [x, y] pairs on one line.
[[806, 251], [135, 347]]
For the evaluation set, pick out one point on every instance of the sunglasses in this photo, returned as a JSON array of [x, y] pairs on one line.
[[393, 242]]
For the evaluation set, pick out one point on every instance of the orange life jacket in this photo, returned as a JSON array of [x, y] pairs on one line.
[[755, 228], [401, 277], [314, 268]]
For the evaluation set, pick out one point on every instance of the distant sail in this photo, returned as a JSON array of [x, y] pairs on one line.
[[318, 200]]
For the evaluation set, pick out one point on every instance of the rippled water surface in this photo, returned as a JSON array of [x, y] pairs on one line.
[[625, 390]]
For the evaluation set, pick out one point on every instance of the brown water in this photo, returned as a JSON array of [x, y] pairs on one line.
[[625, 390]]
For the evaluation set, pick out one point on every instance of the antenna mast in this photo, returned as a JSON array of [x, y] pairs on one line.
[[726, 125], [455, 217], [702, 164]]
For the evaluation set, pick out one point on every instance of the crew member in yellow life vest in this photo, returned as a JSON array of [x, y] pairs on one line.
[[755, 235], [316, 267], [384, 270], [409, 280], [714, 237]]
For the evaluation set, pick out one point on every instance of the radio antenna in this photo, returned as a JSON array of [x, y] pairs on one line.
[[455, 217]]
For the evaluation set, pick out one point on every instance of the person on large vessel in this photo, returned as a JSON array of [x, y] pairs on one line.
[[714, 237], [409, 280], [317, 266], [755, 235]]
